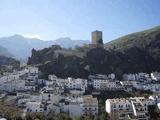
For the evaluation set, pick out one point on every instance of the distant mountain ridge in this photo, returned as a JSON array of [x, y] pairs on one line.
[[20, 47]]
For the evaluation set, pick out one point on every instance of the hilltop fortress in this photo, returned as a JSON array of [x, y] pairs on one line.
[[97, 37]]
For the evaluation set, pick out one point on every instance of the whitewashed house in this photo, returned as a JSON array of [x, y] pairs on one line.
[[155, 76], [78, 83], [34, 107], [100, 84], [136, 107], [129, 77], [140, 109], [53, 108], [155, 98], [13, 85], [50, 96], [118, 104], [90, 105], [86, 105], [155, 88]]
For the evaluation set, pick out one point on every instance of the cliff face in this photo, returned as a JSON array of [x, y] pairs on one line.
[[138, 52]]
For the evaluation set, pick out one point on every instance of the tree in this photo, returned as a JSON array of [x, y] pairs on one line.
[[104, 116], [28, 117]]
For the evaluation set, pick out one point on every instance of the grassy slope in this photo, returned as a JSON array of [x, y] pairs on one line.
[[138, 39]]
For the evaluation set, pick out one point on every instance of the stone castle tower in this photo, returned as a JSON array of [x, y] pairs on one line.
[[97, 37]]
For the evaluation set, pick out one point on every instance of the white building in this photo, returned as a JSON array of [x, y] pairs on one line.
[[155, 76], [100, 84], [112, 76], [23, 99], [13, 85], [30, 85], [51, 107], [52, 77], [32, 69], [155, 88], [78, 83], [140, 109], [155, 98], [50, 96], [34, 107], [90, 105], [12, 82], [86, 105], [129, 77], [113, 105], [140, 77], [127, 85], [53, 80], [134, 107]]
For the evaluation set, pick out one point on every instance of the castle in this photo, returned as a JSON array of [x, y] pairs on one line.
[[97, 37]]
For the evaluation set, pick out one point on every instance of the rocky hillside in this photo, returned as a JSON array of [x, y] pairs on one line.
[[147, 41], [7, 64], [4, 52], [137, 52]]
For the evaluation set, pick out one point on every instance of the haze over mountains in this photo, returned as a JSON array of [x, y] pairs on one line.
[[20, 47]]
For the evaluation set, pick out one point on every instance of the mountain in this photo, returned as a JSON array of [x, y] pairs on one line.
[[69, 43], [21, 46], [147, 41], [4, 52], [139, 39], [137, 52]]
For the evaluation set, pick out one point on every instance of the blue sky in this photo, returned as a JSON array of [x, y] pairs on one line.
[[52, 19]]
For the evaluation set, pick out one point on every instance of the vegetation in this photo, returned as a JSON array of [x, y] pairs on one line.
[[138, 39], [154, 112], [10, 112], [62, 116], [8, 64]]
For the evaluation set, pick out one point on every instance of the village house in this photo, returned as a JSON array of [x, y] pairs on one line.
[[155, 76], [143, 77], [85, 105], [54, 80], [13, 85], [78, 83], [136, 107], [127, 85], [155, 88], [100, 84], [155, 98], [50, 96], [127, 77], [35, 107], [19, 80]]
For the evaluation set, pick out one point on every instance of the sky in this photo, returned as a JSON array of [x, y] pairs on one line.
[[52, 19]]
